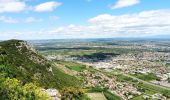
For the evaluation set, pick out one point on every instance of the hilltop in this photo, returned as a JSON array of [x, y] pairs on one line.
[[21, 61]]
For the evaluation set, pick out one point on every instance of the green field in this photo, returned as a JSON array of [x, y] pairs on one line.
[[146, 77], [96, 96], [85, 51], [107, 94], [72, 65]]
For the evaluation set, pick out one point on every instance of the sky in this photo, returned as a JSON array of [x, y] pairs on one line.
[[67, 19]]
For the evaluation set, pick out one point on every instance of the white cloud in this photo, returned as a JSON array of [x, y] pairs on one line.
[[124, 3], [47, 6], [3, 1], [7, 19], [146, 23], [32, 20], [15, 6], [10, 20], [11, 6], [143, 24]]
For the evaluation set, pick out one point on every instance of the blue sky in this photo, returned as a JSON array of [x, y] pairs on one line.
[[53, 19]]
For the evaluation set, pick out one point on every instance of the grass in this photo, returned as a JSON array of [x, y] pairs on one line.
[[138, 98], [84, 97], [111, 96], [77, 68], [96, 96], [147, 77], [107, 94], [123, 78], [72, 65]]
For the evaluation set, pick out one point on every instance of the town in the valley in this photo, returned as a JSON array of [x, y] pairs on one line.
[[129, 69]]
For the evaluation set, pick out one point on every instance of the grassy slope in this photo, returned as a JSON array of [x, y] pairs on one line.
[[17, 63]]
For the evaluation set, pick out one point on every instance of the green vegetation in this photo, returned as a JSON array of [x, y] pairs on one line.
[[24, 72], [96, 96], [111, 96], [89, 52], [144, 87], [154, 89], [107, 94], [168, 80], [139, 98], [72, 65], [123, 78], [70, 92], [147, 77], [13, 89], [19, 61], [167, 65], [166, 93], [98, 56]]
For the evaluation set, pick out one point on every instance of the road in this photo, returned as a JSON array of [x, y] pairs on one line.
[[139, 80], [145, 82]]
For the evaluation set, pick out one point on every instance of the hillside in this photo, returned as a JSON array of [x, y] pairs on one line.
[[19, 60]]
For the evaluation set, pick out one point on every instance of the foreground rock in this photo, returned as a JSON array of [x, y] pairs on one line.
[[53, 93]]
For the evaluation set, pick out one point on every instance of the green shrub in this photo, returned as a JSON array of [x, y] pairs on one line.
[[166, 93], [72, 92], [12, 89], [147, 77]]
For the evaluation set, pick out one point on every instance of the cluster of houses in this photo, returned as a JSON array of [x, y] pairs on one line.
[[155, 55], [122, 89], [126, 89], [156, 96], [143, 63], [97, 79]]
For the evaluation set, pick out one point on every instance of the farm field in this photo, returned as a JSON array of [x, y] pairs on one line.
[[96, 96]]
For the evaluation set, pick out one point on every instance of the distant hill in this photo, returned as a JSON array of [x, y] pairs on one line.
[[19, 60]]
